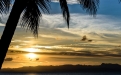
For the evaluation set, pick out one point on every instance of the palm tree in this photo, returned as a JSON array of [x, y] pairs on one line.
[[30, 12]]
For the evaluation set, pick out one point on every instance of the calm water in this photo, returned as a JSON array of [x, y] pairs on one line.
[[101, 73]]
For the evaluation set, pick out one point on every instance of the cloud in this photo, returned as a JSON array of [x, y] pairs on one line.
[[50, 32], [53, 31], [79, 23], [29, 37], [57, 49], [84, 23], [91, 53], [4, 18], [84, 38], [8, 59], [69, 1], [95, 28]]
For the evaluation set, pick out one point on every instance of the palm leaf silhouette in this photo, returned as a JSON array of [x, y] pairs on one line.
[[90, 6], [65, 10], [30, 12], [34, 8], [5, 5]]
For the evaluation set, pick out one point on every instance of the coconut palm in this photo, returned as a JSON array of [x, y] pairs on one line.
[[30, 12]]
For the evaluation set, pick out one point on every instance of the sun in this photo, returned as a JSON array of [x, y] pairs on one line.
[[31, 55], [32, 50]]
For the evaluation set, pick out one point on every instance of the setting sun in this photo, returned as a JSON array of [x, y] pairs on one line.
[[31, 55]]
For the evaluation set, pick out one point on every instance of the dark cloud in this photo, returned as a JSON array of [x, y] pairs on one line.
[[91, 53], [8, 59], [89, 40], [84, 38], [58, 49], [85, 53], [37, 59], [83, 45]]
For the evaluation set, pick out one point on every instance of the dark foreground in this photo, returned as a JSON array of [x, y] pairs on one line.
[[66, 68], [83, 73]]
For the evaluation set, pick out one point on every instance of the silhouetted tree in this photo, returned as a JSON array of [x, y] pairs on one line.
[[30, 12]]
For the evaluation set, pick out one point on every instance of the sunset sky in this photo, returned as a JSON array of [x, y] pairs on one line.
[[58, 45]]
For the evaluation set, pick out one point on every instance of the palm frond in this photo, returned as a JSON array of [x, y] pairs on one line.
[[65, 10], [31, 15], [5, 5], [43, 5], [119, 1], [90, 6]]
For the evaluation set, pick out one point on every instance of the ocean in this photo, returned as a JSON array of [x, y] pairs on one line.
[[84, 73]]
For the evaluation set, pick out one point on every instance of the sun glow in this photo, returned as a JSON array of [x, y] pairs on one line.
[[31, 55], [32, 50]]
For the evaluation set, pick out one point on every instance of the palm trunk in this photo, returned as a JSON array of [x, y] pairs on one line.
[[10, 27]]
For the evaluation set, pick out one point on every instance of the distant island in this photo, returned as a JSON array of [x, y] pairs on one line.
[[104, 67]]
